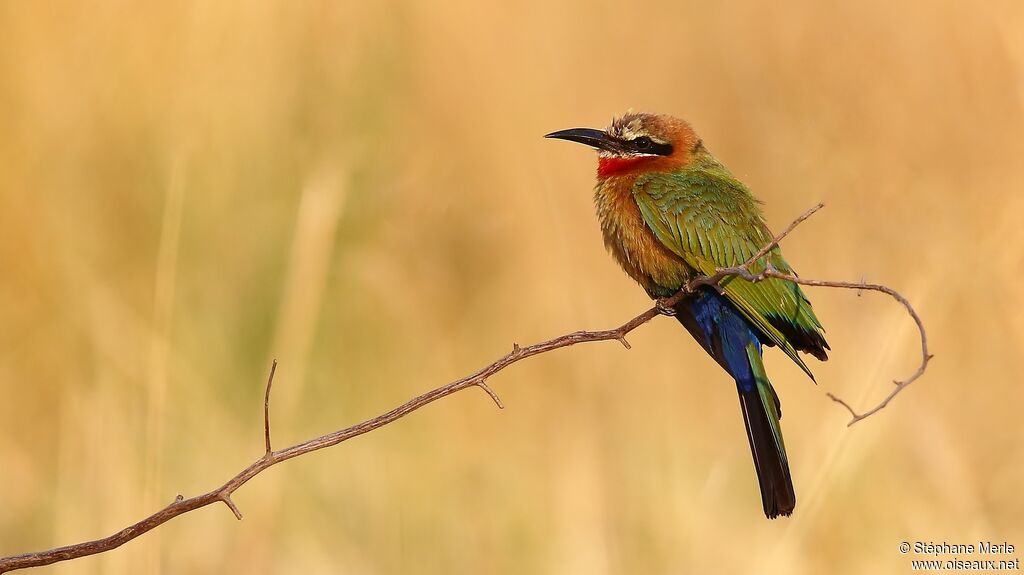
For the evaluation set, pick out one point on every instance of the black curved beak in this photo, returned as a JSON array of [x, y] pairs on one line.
[[590, 137]]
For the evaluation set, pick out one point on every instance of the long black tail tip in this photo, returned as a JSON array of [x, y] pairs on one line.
[[780, 508], [776, 513]]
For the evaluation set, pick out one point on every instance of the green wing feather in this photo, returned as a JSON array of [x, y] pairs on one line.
[[711, 220], [768, 400]]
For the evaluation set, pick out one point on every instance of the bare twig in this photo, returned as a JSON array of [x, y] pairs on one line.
[[266, 408], [479, 379], [901, 384], [744, 272]]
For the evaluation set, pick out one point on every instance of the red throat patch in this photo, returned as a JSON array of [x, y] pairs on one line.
[[607, 167]]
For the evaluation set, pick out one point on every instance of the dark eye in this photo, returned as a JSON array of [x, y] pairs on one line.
[[642, 143]]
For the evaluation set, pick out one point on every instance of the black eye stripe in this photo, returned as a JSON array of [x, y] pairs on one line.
[[645, 145]]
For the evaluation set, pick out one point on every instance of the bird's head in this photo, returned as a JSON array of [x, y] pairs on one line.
[[637, 143]]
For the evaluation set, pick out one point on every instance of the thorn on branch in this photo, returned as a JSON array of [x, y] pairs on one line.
[[231, 505], [177, 499], [482, 384], [622, 340]]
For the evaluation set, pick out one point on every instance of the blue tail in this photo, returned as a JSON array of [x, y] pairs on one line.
[[735, 344]]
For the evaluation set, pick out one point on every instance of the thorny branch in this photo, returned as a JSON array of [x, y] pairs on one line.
[[270, 458]]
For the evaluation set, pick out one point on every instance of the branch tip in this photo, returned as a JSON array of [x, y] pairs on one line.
[[266, 408]]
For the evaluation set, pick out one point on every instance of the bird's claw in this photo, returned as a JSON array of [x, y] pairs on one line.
[[663, 307]]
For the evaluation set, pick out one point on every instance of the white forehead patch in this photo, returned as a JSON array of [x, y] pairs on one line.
[[630, 130], [626, 130]]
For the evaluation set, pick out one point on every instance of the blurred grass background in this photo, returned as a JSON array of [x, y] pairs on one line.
[[360, 190]]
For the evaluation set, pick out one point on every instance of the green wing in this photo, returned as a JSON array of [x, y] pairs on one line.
[[711, 220]]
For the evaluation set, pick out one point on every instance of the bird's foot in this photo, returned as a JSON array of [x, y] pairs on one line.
[[663, 307]]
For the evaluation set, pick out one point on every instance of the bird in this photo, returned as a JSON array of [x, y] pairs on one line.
[[670, 212]]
